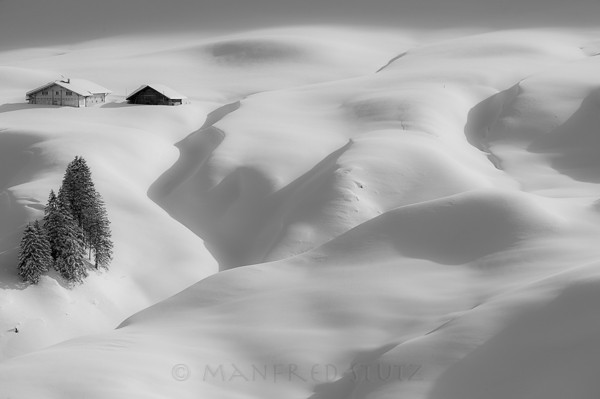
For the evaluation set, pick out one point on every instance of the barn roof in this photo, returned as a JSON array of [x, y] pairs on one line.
[[164, 90], [80, 86]]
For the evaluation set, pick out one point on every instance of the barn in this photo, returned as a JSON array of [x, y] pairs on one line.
[[69, 92], [156, 94]]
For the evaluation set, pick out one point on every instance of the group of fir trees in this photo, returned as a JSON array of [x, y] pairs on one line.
[[75, 225]]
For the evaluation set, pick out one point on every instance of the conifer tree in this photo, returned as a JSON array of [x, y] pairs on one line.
[[80, 192], [69, 247], [52, 222], [65, 238], [75, 219], [35, 257], [87, 208], [100, 235]]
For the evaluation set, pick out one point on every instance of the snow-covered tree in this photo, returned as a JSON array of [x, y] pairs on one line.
[[88, 210], [35, 257], [65, 238], [75, 220], [80, 192], [52, 222], [100, 235], [70, 249]]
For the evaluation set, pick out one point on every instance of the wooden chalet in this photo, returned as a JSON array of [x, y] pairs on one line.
[[156, 94], [69, 92]]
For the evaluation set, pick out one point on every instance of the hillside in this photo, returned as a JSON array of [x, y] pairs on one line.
[[357, 214]]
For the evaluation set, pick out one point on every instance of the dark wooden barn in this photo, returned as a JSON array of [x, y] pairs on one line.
[[156, 94]]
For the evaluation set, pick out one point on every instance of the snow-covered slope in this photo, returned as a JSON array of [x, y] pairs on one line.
[[420, 225], [128, 148]]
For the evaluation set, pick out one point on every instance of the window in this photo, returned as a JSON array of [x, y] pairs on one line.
[[57, 93], [45, 93], [69, 93]]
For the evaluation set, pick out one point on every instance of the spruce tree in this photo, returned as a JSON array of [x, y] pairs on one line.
[[35, 257], [75, 219], [87, 208], [52, 222], [80, 192], [100, 235], [69, 247]]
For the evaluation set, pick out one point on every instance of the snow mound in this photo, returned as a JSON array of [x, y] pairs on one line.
[[452, 230], [244, 52], [503, 45], [545, 353], [574, 145], [542, 131]]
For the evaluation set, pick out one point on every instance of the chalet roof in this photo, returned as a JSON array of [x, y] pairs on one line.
[[164, 90], [80, 86]]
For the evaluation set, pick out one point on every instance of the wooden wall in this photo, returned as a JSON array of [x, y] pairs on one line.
[[150, 96], [57, 95]]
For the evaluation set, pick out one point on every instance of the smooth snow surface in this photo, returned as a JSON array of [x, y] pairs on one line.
[[338, 214]]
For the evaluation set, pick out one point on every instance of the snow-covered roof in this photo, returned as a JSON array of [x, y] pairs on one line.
[[80, 86], [164, 90]]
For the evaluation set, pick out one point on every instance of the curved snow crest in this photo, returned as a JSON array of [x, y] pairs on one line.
[[223, 217], [498, 45], [194, 150], [482, 118], [573, 146], [453, 230]]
